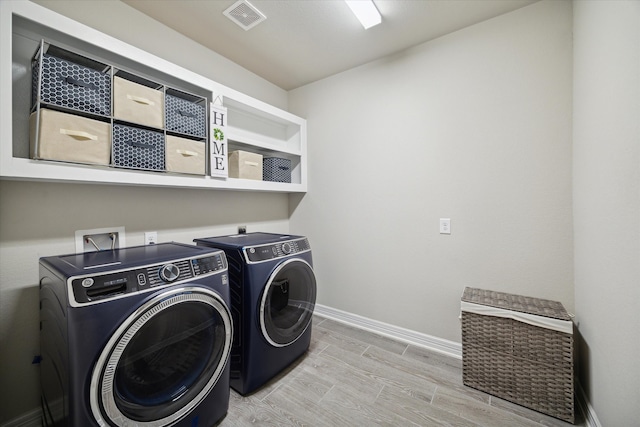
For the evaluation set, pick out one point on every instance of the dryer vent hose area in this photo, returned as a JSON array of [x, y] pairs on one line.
[[112, 236]]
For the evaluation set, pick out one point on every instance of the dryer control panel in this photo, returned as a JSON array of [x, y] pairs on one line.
[[102, 286], [271, 251]]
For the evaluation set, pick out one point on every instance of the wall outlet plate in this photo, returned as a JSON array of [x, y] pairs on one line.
[[102, 239], [150, 237], [445, 225]]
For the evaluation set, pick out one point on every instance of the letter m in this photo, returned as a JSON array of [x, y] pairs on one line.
[[218, 149]]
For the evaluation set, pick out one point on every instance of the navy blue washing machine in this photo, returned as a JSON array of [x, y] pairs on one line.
[[138, 336], [273, 295]]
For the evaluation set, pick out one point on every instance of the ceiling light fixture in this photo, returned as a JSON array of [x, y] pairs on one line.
[[365, 11]]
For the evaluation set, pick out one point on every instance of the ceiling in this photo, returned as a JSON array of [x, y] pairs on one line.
[[302, 41]]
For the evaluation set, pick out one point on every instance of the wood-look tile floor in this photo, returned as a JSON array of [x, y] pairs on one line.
[[351, 377]]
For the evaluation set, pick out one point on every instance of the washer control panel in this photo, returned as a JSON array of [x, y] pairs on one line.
[[169, 273], [271, 251], [102, 286]]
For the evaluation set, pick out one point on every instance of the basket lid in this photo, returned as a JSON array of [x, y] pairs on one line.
[[524, 304]]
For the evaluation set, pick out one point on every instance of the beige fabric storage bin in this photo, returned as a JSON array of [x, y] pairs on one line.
[[136, 103], [185, 155], [70, 138], [246, 165]]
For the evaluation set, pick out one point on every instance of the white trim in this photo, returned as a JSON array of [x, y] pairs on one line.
[[450, 348], [590, 418], [32, 418]]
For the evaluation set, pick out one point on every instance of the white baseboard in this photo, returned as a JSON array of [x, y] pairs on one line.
[[32, 418], [408, 336], [590, 418], [450, 348]]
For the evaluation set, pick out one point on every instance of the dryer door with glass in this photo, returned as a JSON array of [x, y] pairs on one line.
[[287, 303], [163, 359]]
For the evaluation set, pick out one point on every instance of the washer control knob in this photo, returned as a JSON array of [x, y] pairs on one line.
[[286, 248], [88, 282], [169, 272]]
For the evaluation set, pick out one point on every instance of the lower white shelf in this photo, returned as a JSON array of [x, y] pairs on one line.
[[35, 170]]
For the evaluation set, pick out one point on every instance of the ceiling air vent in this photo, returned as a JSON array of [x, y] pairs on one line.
[[244, 14]]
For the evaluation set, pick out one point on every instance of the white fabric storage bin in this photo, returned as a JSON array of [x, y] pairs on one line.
[[246, 165], [70, 138], [137, 103], [185, 155]]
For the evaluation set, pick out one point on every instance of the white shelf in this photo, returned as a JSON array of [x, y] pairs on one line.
[[260, 142], [35, 170], [252, 124]]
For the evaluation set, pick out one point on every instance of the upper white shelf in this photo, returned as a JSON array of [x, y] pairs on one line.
[[252, 125], [260, 142]]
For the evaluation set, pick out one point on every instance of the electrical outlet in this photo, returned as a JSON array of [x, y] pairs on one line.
[[150, 237], [100, 239], [445, 225], [242, 229]]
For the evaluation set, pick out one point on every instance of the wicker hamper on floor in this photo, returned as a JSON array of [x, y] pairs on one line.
[[519, 349]]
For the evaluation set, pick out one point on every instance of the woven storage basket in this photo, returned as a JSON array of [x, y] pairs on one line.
[[519, 349]]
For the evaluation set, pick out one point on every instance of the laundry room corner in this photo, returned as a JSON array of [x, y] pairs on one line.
[[218, 213], [441, 130]]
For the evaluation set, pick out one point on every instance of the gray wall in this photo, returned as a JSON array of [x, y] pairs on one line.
[[606, 182], [474, 126], [40, 219]]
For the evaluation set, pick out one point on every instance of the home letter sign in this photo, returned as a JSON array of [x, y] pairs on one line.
[[218, 141]]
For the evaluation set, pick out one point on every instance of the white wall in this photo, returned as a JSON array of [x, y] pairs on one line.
[[40, 219], [606, 179], [474, 126]]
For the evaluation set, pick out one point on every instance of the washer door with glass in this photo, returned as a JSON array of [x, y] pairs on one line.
[[163, 360], [288, 300]]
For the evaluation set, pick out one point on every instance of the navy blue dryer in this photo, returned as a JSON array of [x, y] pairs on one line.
[[273, 294], [136, 336]]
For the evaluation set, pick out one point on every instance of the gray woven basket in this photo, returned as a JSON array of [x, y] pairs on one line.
[[525, 364]]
